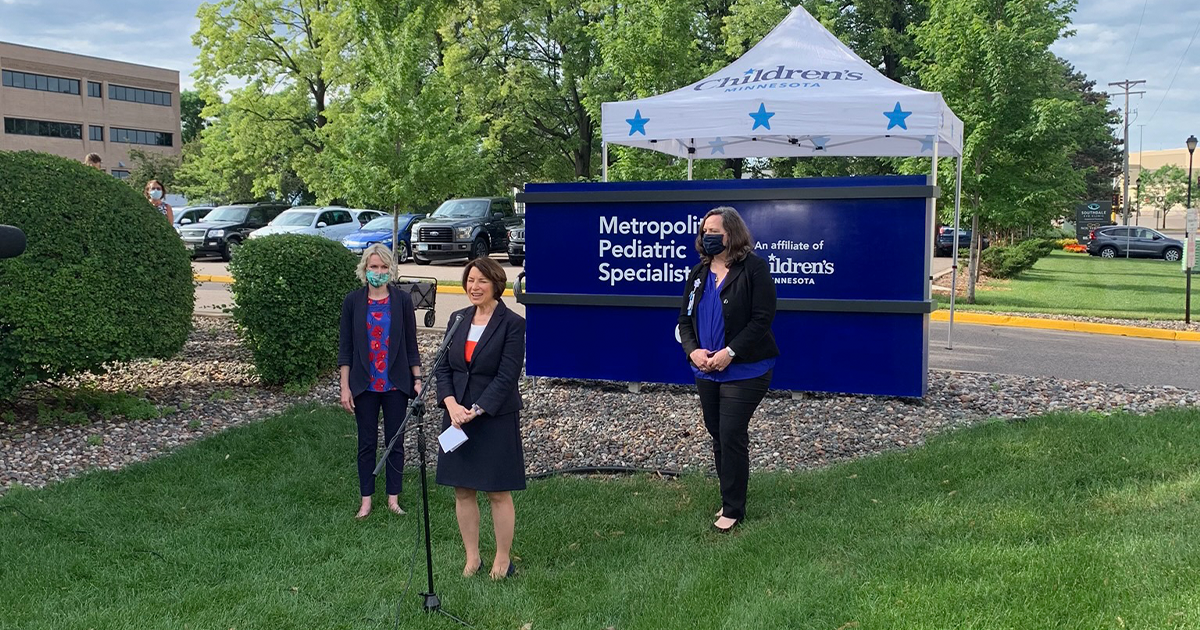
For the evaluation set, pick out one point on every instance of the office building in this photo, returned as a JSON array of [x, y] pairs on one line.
[[72, 105]]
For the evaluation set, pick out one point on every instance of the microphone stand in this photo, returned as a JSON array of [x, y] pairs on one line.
[[416, 412]]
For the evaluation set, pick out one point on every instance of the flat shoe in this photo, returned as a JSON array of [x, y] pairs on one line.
[[727, 529], [396, 509], [512, 570]]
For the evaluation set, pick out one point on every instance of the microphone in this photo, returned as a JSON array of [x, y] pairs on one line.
[[12, 241]]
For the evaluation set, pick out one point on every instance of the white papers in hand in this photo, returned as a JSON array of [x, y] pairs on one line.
[[452, 438]]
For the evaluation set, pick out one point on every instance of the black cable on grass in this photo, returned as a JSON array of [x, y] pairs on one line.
[[605, 470]]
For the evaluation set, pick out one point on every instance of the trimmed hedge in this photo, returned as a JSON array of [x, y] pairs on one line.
[[287, 294], [104, 278], [999, 261]]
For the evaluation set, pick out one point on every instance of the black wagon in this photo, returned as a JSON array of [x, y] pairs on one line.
[[423, 292]]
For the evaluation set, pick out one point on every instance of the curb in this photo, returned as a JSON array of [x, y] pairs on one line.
[[968, 317], [441, 287]]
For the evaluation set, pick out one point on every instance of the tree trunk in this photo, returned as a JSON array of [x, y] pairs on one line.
[[973, 265]]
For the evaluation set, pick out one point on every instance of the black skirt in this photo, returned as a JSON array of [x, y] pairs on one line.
[[491, 460]]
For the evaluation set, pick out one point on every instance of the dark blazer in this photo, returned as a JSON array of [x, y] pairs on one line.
[[748, 300], [352, 341], [490, 379]]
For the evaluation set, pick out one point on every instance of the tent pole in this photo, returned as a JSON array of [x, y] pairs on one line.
[[603, 161], [689, 168], [931, 222], [954, 253]]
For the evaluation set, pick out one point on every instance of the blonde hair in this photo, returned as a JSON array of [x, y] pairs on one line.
[[378, 249]]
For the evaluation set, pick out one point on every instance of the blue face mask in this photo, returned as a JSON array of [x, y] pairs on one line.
[[713, 244], [377, 278]]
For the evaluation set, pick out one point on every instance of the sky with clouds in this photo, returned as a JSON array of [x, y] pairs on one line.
[[1114, 40]]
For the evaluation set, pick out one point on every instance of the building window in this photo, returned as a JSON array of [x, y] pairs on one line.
[[29, 81], [138, 95], [96, 133], [24, 127], [94, 89], [119, 174], [138, 136]]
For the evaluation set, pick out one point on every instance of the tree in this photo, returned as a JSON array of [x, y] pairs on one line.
[[1099, 154], [405, 139], [991, 61], [148, 165], [1170, 182], [191, 105], [294, 57]]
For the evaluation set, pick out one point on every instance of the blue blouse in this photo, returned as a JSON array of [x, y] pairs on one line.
[[379, 324], [710, 322]]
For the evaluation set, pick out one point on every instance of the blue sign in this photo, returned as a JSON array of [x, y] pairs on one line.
[[850, 257]]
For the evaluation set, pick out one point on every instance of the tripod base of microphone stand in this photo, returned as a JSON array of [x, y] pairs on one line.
[[432, 602]]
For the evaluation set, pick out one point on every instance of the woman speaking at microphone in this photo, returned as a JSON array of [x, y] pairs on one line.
[[725, 328], [380, 369], [477, 386]]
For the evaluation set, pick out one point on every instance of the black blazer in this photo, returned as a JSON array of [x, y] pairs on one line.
[[748, 300], [490, 379], [402, 343]]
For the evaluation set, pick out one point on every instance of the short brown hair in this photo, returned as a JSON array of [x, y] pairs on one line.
[[740, 243], [92, 159], [490, 270]]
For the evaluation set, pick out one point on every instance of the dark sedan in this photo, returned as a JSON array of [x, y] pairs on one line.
[[1114, 241]]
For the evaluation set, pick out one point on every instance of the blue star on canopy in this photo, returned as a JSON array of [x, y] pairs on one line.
[[896, 117], [718, 146], [762, 118], [637, 123], [927, 144]]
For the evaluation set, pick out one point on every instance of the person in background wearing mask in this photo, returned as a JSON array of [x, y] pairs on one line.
[[93, 160], [380, 369], [725, 328], [156, 193]]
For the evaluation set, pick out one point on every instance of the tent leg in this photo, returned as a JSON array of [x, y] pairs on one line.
[[603, 161], [689, 168], [931, 221], [954, 264]]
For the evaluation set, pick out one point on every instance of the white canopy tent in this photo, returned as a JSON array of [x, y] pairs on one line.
[[800, 92]]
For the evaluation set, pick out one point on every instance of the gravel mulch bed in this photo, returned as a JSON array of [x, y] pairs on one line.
[[210, 386]]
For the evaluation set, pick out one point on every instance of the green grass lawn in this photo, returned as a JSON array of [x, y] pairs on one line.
[[1070, 521], [1076, 284]]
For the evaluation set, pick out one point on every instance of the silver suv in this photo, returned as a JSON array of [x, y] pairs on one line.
[[1113, 241]]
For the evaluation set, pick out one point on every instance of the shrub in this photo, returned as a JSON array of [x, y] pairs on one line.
[[104, 278], [1063, 242], [287, 295], [1005, 262]]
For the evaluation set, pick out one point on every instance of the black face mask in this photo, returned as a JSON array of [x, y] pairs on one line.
[[713, 244]]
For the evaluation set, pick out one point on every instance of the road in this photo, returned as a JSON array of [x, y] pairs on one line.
[[1070, 355]]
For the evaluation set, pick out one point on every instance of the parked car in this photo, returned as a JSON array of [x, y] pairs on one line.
[[379, 230], [516, 245], [223, 230], [190, 214], [945, 240], [332, 222], [464, 228], [1112, 242]]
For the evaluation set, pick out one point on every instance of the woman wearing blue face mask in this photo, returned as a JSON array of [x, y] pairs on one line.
[[380, 369], [725, 328], [156, 194]]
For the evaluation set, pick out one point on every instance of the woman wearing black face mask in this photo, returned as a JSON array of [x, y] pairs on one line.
[[725, 328]]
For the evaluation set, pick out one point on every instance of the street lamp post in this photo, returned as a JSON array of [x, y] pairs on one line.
[[1187, 307]]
